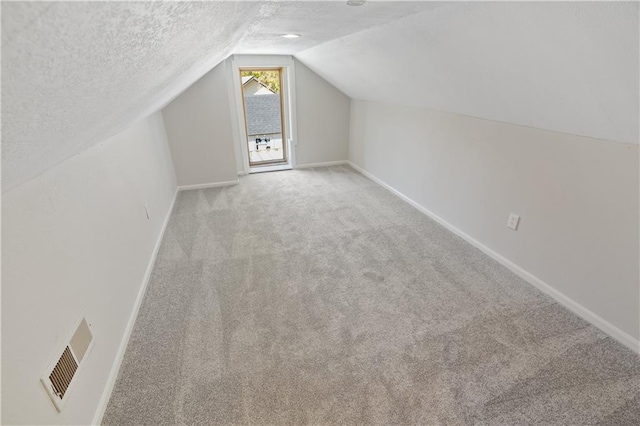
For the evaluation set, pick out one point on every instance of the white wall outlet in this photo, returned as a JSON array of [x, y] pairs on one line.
[[513, 221], [146, 210]]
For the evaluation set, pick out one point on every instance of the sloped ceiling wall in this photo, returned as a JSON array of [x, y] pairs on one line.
[[75, 73], [563, 66]]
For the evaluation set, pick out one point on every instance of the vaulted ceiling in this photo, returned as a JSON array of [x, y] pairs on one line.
[[75, 73], [570, 67]]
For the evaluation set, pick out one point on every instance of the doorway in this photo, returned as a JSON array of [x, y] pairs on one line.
[[263, 107]]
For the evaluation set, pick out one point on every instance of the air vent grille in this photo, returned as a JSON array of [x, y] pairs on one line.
[[63, 373]]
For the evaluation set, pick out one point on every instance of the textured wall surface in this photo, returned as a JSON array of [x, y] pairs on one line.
[[571, 67], [74, 73]]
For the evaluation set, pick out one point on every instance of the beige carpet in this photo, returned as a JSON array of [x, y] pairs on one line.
[[317, 297]]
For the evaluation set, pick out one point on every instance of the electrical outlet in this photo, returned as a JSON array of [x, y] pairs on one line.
[[513, 221], [146, 210]]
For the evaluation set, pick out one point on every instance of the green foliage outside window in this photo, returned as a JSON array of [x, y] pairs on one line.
[[271, 79]]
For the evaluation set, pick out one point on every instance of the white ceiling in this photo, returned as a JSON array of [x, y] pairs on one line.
[[563, 66], [75, 73]]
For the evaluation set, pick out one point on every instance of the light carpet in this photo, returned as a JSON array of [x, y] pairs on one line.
[[317, 297]]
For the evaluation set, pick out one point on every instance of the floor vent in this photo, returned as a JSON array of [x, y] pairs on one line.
[[59, 376]]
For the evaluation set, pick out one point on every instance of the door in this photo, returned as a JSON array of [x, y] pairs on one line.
[[263, 106]]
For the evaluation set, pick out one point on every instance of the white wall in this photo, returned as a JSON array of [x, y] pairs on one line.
[[200, 132], [76, 240], [577, 197], [323, 119]]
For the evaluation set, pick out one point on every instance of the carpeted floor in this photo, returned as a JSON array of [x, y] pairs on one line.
[[316, 296]]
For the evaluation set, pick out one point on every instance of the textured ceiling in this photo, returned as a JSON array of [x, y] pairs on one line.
[[568, 67], [75, 73]]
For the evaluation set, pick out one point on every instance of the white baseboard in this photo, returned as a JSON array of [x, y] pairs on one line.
[[604, 325], [325, 164], [208, 185], [113, 375]]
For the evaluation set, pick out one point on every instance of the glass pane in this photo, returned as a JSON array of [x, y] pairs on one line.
[[263, 113]]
